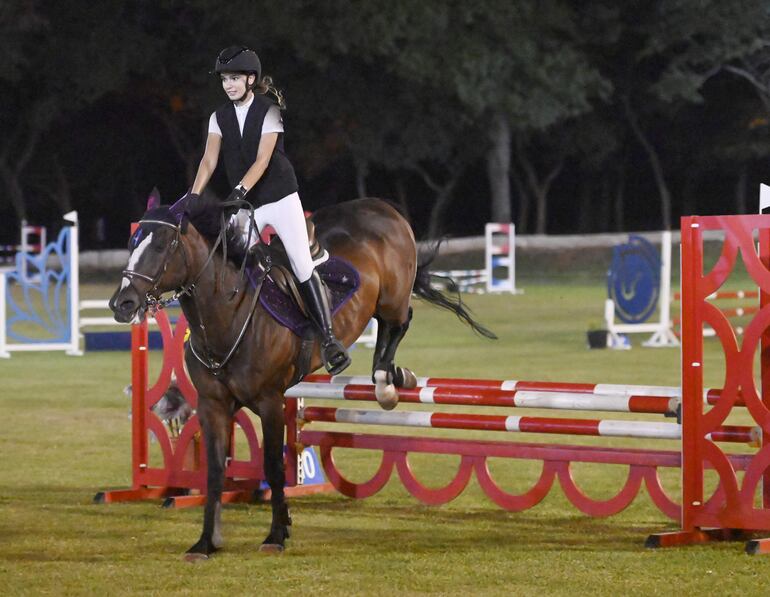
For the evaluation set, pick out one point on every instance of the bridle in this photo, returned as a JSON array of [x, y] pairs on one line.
[[154, 302]]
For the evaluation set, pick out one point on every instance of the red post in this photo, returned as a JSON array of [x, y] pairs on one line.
[[139, 382], [139, 364], [764, 364], [692, 370]]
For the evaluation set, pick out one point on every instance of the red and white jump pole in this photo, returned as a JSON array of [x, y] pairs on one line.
[[538, 394], [513, 423]]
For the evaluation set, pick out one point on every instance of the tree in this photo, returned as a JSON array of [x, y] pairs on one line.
[[517, 68], [505, 67], [62, 63], [659, 63]]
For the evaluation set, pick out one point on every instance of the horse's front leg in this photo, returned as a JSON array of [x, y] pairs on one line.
[[271, 414], [216, 422]]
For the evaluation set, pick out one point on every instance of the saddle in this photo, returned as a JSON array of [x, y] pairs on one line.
[[280, 271], [269, 271]]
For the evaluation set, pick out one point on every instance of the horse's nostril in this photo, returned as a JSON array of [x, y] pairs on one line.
[[126, 306]]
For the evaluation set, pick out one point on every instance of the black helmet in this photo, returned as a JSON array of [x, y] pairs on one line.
[[238, 59]]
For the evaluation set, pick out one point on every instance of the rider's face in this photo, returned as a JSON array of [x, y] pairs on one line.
[[234, 85]]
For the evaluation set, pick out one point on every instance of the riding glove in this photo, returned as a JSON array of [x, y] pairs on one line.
[[238, 193]]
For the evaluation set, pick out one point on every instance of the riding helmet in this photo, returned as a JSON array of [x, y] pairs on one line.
[[238, 59]]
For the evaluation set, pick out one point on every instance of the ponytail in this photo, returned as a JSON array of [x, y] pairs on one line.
[[265, 86]]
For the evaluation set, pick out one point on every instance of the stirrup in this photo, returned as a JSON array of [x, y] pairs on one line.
[[335, 358]]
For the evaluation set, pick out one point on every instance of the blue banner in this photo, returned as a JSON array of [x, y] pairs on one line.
[[633, 280], [38, 294]]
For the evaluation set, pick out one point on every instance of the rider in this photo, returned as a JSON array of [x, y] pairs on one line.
[[249, 132]]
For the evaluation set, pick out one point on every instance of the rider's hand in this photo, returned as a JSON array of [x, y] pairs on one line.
[[237, 194], [192, 196]]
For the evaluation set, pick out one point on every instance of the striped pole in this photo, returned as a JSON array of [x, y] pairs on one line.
[[494, 397], [590, 427], [710, 395]]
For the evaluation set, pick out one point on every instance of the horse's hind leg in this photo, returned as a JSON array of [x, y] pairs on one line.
[[271, 414], [216, 421], [385, 375]]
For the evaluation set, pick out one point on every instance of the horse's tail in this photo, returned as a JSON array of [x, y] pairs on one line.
[[423, 289]]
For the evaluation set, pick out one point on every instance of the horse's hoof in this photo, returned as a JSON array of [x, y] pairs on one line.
[[408, 379], [387, 397], [384, 390], [195, 557], [271, 548]]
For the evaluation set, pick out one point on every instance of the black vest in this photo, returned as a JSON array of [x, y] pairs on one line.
[[239, 153]]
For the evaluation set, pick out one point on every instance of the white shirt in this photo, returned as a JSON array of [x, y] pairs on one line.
[[273, 122]]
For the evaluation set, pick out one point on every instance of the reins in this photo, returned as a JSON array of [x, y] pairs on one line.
[[155, 303]]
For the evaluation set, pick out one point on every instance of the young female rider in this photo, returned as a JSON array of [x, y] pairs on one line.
[[248, 131]]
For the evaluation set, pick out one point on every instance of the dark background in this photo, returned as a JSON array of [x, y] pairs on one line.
[[562, 116]]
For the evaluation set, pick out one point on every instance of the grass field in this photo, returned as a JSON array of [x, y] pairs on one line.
[[65, 433]]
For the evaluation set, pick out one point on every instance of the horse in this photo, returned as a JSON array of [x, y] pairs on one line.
[[238, 355]]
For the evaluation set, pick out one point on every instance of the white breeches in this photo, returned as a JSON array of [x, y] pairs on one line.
[[288, 220]]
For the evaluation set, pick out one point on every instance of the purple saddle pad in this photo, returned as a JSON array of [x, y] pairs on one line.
[[340, 278]]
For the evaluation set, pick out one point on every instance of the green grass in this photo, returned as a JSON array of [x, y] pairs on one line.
[[65, 433]]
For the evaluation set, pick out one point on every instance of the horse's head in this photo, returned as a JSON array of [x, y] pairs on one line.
[[157, 262]]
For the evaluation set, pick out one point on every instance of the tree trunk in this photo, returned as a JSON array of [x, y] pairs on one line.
[[498, 167], [62, 195], [522, 215], [21, 143], [541, 215], [538, 189], [14, 190], [362, 171], [443, 199], [657, 167]]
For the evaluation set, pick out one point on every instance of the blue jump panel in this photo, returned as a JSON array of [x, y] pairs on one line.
[[119, 340]]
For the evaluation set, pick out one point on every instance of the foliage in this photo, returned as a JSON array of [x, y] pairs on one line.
[[401, 96]]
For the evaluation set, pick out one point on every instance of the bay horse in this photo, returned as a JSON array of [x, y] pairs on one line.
[[249, 359]]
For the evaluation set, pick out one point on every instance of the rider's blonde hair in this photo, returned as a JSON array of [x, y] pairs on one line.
[[266, 86]]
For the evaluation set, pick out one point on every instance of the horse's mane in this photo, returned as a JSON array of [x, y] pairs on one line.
[[205, 214]]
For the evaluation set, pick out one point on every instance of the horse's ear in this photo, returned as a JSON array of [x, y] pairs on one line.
[[153, 200]]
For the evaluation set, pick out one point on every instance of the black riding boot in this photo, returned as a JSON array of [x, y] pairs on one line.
[[333, 353]]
